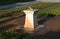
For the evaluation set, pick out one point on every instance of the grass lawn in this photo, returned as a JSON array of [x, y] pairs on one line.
[[48, 10], [43, 9], [16, 35], [35, 6]]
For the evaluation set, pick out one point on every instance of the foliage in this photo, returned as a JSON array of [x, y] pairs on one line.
[[4, 2], [16, 35], [11, 35]]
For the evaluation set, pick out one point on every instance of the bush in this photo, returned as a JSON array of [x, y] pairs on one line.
[[12, 35], [4, 2]]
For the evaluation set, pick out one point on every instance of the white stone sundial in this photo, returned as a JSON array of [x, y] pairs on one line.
[[31, 20]]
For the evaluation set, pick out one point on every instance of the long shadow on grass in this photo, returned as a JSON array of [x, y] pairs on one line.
[[52, 35], [48, 35], [12, 18], [7, 27], [45, 19]]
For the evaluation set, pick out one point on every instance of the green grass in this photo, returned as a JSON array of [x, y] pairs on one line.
[[4, 19], [10, 35], [15, 10], [7, 11], [19, 11], [16, 35], [48, 9], [41, 10]]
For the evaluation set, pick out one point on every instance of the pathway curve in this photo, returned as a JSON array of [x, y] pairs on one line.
[[17, 5]]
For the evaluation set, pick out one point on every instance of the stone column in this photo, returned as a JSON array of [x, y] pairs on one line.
[[30, 20]]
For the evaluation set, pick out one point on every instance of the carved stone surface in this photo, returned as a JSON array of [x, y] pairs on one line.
[[30, 20]]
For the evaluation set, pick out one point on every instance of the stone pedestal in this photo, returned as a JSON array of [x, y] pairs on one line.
[[30, 20]]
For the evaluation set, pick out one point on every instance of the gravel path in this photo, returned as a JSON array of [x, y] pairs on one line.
[[16, 5]]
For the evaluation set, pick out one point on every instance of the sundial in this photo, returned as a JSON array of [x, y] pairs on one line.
[[30, 8], [31, 23]]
